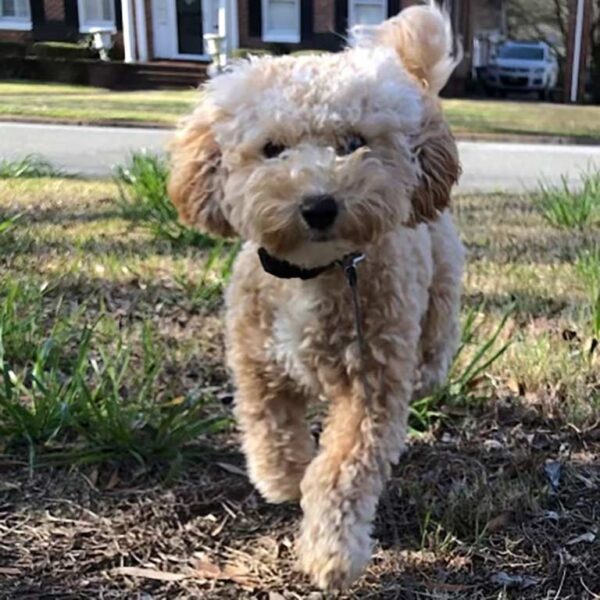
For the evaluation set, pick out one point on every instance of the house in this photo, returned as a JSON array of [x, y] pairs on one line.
[[173, 30]]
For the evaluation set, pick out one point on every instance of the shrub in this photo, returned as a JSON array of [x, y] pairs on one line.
[[143, 196], [566, 207], [12, 49], [64, 50]]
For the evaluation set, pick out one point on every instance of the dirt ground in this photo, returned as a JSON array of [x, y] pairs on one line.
[[497, 506]]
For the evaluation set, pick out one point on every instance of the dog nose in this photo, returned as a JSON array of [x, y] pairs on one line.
[[319, 212]]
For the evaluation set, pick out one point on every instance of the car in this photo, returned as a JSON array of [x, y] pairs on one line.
[[522, 66]]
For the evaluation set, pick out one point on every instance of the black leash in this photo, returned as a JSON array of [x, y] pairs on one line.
[[285, 270], [348, 263]]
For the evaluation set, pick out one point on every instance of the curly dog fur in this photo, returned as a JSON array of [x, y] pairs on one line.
[[365, 128]]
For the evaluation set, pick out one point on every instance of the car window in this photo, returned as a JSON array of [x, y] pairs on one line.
[[522, 53]]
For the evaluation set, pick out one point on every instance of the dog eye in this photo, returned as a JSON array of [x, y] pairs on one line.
[[351, 144], [271, 150]]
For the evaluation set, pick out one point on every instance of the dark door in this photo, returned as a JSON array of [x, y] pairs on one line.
[[189, 26]]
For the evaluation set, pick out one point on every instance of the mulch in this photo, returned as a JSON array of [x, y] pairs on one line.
[[482, 508]]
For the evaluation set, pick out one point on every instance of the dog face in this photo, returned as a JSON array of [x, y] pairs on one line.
[[316, 156]]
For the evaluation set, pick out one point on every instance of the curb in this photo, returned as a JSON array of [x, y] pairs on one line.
[[461, 136]]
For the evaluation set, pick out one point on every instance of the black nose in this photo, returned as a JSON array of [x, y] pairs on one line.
[[319, 212]]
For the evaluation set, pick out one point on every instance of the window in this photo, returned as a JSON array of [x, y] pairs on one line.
[[281, 21], [96, 14], [367, 12], [15, 14]]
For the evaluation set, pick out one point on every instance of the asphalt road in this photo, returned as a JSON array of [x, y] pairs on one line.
[[487, 166]]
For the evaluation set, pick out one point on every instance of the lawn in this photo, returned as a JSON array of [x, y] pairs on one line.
[[120, 471], [81, 104]]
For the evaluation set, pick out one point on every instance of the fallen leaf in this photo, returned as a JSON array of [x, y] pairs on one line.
[[149, 574], [276, 596], [511, 581], [588, 537], [499, 522], [113, 481], [232, 469], [9, 571], [552, 470], [207, 570]]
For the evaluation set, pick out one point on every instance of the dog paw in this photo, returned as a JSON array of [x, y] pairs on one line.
[[277, 490], [332, 562]]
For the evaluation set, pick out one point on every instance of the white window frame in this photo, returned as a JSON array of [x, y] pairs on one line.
[[352, 10], [86, 26], [17, 23], [278, 36]]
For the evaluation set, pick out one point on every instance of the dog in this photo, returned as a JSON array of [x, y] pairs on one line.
[[312, 160]]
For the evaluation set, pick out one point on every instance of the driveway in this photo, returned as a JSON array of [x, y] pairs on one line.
[[487, 166]]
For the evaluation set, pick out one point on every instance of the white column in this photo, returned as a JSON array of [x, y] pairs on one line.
[[222, 31], [233, 36], [576, 66], [128, 31], [141, 30]]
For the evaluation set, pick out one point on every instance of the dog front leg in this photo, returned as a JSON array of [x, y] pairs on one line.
[[364, 434], [276, 440]]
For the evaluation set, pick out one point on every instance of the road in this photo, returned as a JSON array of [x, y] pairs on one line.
[[487, 166]]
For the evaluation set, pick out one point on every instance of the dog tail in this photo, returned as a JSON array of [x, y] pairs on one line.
[[422, 37]]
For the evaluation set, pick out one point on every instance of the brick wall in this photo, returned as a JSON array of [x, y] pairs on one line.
[[22, 37], [54, 9], [323, 16]]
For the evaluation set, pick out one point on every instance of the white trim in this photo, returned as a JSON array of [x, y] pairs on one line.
[[17, 22], [274, 36], [8, 23], [576, 66], [86, 26], [140, 26], [128, 31], [233, 34], [352, 10]]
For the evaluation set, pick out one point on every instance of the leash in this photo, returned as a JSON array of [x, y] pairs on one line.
[[349, 263], [286, 270]]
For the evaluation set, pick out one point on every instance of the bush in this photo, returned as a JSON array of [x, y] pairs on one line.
[[12, 49], [143, 196], [566, 207], [64, 50]]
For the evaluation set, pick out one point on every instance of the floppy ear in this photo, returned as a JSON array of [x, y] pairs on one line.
[[196, 180], [422, 37], [437, 155]]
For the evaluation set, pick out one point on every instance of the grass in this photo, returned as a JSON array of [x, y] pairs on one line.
[[83, 104], [80, 104], [28, 167], [515, 118], [565, 206], [111, 364], [588, 267], [143, 196]]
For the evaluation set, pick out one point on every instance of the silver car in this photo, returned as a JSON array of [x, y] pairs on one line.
[[522, 66]]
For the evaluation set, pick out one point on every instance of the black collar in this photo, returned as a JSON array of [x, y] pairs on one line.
[[285, 270]]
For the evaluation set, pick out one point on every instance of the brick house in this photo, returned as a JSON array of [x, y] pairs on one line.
[[152, 30]]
